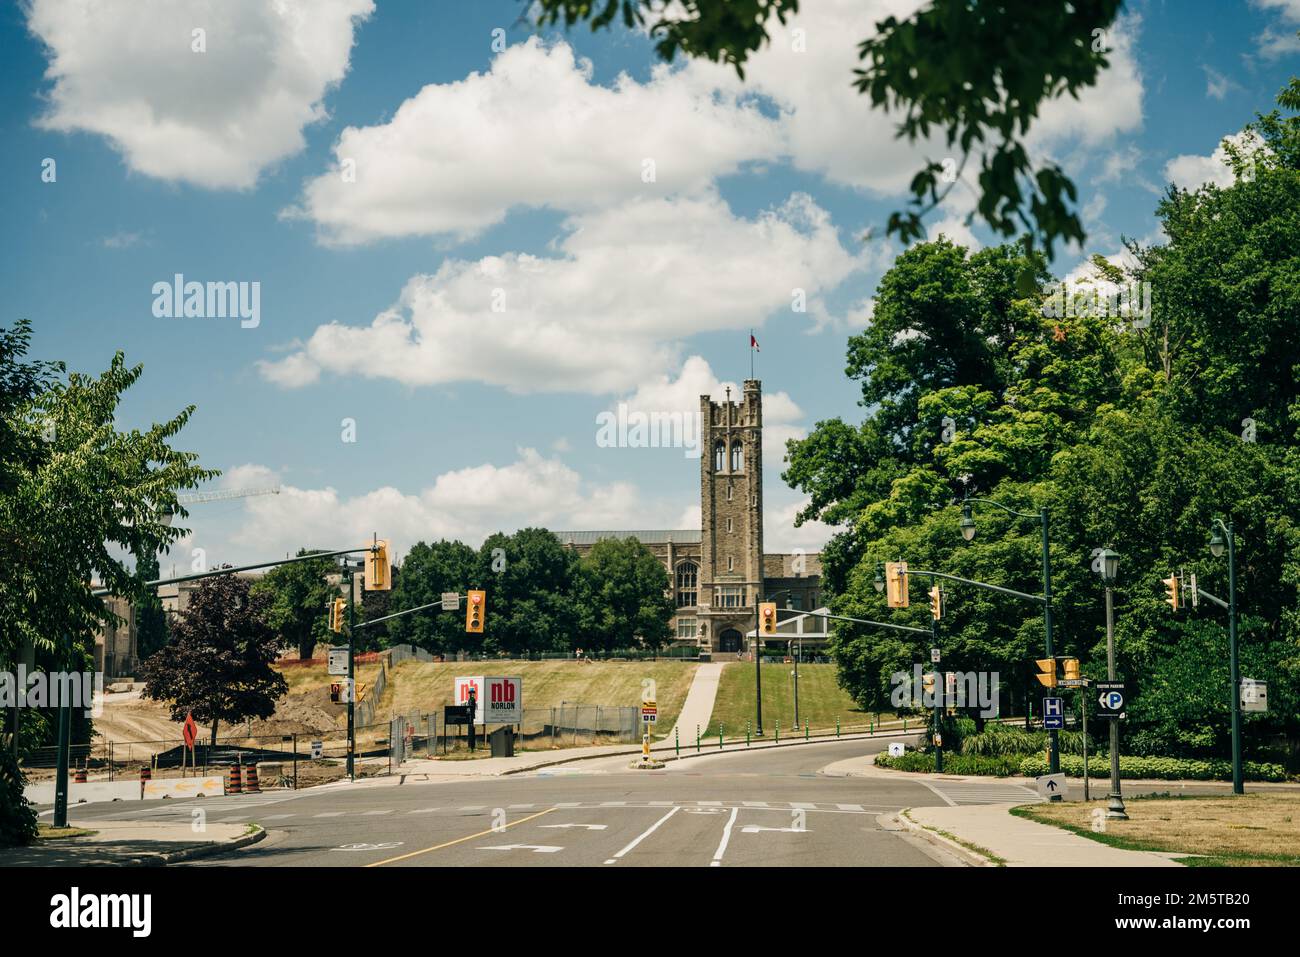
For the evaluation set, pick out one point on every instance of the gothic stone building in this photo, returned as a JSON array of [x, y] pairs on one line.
[[720, 571]]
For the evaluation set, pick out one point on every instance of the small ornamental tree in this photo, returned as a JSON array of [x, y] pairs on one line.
[[218, 663]]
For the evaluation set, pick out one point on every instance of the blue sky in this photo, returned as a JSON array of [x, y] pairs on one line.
[[507, 169]]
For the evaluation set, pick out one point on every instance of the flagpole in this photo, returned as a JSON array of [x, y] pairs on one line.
[[751, 353]]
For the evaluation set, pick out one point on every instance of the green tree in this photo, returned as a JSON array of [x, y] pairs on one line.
[[427, 571], [624, 596], [218, 664], [150, 618], [529, 578], [978, 72], [299, 596]]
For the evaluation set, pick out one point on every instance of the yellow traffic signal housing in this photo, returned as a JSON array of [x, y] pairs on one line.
[[475, 607], [896, 584], [936, 603], [1172, 594], [1047, 669], [767, 617], [378, 571], [1071, 666], [337, 608]]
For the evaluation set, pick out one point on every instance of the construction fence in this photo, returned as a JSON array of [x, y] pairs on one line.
[[305, 758]]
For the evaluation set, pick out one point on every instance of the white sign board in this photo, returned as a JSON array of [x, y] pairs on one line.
[[1052, 786], [317, 749], [450, 601], [500, 700], [1254, 695], [338, 660], [896, 749]]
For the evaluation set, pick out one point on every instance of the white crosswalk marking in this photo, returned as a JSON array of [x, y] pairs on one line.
[[423, 810], [519, 807], [804, 805], [329, 814], [754, 803], [387, 810], [709, 803], [849, 807], [981, 792], [277, 817]]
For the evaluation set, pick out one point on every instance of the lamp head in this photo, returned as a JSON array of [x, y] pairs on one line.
[[967, 524], [1109, 565], [879, 581], [1217, 542]]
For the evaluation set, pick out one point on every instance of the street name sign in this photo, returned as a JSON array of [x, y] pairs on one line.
[[450, 601]]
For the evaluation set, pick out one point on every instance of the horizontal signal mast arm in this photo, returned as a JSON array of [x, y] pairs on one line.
[[315, 556], [978, 584]]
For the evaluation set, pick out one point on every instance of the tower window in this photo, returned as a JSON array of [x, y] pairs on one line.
[[737, 457], [719, 451], [730, 490], [728, 524], [731, 562], [687, 575]]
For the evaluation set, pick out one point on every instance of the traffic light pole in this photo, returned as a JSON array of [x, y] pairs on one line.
[[352, 677], [938, 711], [1233, 664], [1114, 801], [758, 673]]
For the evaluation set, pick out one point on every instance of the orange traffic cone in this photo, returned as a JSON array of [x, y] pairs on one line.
[[234, 784], [250, 781]]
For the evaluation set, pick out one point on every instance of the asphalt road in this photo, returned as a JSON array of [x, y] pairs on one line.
[[770, 808]]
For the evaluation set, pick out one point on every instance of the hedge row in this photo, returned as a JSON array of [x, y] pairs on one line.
[[998, 766], [1135, 766]]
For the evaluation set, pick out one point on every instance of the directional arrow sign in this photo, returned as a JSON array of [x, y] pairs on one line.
[[535, 848], [589, 827], [1051, 786]]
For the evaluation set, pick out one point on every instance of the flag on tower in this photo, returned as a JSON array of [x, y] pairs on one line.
[[753, 343]]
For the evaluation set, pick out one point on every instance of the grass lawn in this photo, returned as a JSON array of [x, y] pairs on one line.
[[1251, 830], [48, 832], [821, 699], [417, 687], [304, 678]]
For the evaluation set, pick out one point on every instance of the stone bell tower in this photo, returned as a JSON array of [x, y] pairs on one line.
[[731, 517]]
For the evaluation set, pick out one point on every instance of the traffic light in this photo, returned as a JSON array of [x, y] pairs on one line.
[[336, 690], [896, 584], [936, 603], [1071, 666], [475, 606], [378, 577], [337, 607], [767, 617], [1047, 669], [1172, 595]]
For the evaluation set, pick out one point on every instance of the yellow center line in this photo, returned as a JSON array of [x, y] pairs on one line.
[[462, 840]]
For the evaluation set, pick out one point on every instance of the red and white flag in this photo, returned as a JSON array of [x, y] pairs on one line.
[[753, 343]]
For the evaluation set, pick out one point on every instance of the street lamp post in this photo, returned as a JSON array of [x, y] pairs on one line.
[[967, 526], [1222, 535], [1109, 572]]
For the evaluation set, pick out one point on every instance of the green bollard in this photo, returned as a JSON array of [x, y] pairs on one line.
[[677, 742], [778, 732], [904, 724], [719, 735], [837, 727], [697, 739], [805, 730], [747, 730]]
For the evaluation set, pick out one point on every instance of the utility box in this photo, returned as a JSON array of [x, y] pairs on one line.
[[502, 741]]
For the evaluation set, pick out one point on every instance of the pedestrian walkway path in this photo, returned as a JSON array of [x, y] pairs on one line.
[[698, 707], [119, 843], [1024, 843]]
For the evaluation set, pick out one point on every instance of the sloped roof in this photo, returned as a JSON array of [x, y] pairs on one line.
[[679, 536]]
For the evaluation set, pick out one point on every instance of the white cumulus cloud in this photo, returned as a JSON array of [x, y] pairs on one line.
[[129, 71]]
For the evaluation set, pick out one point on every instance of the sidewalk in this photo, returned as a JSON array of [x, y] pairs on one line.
[[131, 843], [697, 709], [1023, 843]]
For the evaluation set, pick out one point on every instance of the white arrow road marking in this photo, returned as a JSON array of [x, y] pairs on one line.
[[726, 837], [535, 848], [589, 827], [644, 834], [754, 829]]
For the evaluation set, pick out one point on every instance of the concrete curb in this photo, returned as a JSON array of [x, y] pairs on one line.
[[161, 859], [973, 858]]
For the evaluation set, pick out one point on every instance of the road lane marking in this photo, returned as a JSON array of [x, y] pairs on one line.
[[754, 829], [519, 807], [473, 807], [726, 837], [849, 807], [754, 803], [613, 804], [709, 803], [276, 817], [644, 834], [329, 814], [803, 805], [535, 848], [947, 800], [461, 840], [588, 827], [423, 810], [387, 810], [570, 804]]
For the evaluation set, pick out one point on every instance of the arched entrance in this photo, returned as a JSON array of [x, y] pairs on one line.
[[730, 641]]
